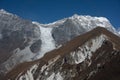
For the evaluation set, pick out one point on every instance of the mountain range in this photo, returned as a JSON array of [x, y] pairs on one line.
[[80, 47]]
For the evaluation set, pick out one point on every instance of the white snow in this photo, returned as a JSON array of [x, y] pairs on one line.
[[33, 68], [47, 40], [97, 42], [53, 60], [51, 77], [54, 24], [89, 22], [119, 32], [29, 74], [58, 76], [26, 54], [86, 50], [54, 76], [98, 65], [86, 21], [78, 57], [43, 68], [101, 19], [2, 12], [48, 43], [19, 56]]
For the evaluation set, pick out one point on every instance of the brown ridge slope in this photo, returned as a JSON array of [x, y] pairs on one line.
[[67, 48], [110, 70], [105, 64]]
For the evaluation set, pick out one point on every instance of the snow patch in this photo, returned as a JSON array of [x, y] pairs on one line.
[[119, 32], [86, 50], [101, 19], [53, 60], [29, 74], [54, 76], [19, 56], [2, 11], [58, 76], [43, 68]]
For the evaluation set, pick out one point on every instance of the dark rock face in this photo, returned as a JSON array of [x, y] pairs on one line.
[[35, 47], [9, 42], [66, 32], [15, 33]]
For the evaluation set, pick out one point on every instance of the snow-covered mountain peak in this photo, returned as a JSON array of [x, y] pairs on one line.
[[2, 11], [75, 16], [89, 22], [85, 22], [89, 18], [102, 19]]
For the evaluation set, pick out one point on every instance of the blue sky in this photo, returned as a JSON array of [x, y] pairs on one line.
[[46, 11]]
